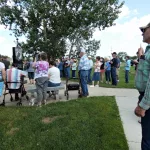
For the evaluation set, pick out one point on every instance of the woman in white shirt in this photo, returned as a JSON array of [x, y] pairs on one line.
[[54, 75], [96, 75]]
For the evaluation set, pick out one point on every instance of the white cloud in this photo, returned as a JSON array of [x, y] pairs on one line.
[[2, 27], [2, 39], [122, 37], [124, 12]]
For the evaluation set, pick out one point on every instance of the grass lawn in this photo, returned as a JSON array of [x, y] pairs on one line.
[[84, 124]]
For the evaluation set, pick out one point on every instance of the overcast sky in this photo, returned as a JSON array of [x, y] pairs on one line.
[[125, 36]]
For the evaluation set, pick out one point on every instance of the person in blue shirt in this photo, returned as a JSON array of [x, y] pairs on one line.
[[60, 67], [127, 69], [83, 68], [107, 71]]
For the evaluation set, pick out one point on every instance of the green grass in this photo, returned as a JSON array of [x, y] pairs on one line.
[[84, 124]]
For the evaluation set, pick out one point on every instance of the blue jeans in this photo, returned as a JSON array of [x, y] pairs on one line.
[[51, 84], [83, 80], [127, 76], [113, 76], [73, 73], [107, 75], [145, 123], [67, 72], [89, 75], [1, 88], [61, 73]]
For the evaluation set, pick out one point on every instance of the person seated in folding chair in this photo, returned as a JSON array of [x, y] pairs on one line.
[[14, 75]]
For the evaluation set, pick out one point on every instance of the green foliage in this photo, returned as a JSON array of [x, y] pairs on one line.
[[122, 56], [48, 24], [83, 124]]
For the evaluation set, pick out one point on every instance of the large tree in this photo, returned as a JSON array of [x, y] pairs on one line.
[[48, 23]]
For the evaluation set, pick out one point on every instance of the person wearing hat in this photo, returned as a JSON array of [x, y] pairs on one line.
[[142, 82], [90, 70], [83, 68], [114, 64]]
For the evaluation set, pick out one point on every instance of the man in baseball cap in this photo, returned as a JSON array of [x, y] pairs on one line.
[[145, 27], [142, 82], [83, 68]]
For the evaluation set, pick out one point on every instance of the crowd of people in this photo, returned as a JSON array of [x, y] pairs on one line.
[[45, 73]]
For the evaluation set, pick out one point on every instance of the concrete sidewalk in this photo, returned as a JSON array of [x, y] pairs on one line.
[[126, 100]]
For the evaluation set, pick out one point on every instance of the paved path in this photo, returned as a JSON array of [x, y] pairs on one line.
[[126, 100]]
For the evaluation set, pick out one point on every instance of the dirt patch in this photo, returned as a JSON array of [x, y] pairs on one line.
[[12, 131], [48, 120]]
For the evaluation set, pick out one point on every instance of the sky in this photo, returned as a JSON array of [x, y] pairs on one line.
[[125, 36]]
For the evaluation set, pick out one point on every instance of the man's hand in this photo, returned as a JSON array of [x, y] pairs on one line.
[[140, 52], [139, 111]]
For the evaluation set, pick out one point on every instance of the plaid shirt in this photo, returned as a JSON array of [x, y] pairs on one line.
[[84, 63], [142, 79]]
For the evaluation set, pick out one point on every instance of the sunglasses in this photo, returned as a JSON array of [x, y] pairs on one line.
[[144, 30]]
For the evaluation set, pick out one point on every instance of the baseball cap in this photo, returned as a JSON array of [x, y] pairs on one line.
[[114, 53], [89, 56], [82, 50], [144, 27]]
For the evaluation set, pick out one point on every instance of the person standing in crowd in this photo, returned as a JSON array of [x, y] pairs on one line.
[[118, 68], [102, 69], [67, 67], [30, 70], [41, 78], [107, 71], [83, 68], [127, 69], [25, 65], [90, 70], [2, 77], [74, 68], [60, 67], [53, 75], [96, 75], [142, 82], [57, 62], [114, 64], [6, 63]]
